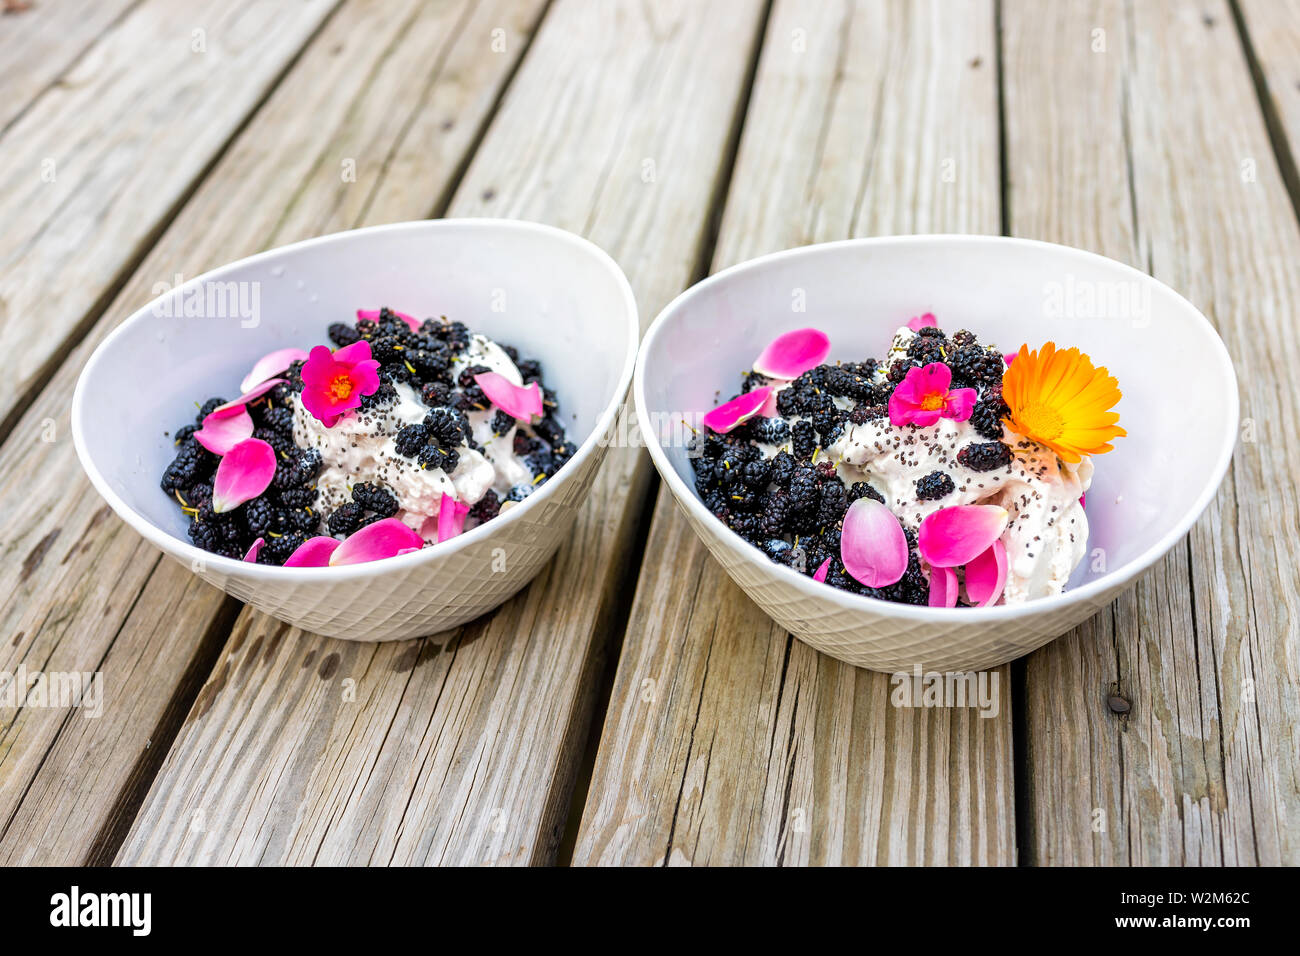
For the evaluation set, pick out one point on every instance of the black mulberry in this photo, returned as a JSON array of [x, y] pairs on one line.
[[375, 498], [346, 518], [984, 456], [805, 440], [934, 486], [860, 489]]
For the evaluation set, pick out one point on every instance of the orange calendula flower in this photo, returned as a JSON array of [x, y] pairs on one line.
[[1061, 400]]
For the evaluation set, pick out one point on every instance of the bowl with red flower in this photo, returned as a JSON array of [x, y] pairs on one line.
[[936, 451], [372, 435]]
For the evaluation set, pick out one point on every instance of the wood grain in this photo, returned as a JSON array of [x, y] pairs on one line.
[[727, 742], [459, 748], [1270, 31], [92, 171], [1172, 171], [84, 592], [37, 44]]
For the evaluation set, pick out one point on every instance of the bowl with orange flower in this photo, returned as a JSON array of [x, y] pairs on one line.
[[936, 451]]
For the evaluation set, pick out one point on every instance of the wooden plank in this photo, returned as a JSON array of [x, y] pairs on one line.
[[459, 748], [41, 40], [1270, 31], [726, 742], [95, 168], [84, 592], [1173, 171]]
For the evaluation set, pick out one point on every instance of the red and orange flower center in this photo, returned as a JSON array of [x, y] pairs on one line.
[[933, 401], [340, 387]]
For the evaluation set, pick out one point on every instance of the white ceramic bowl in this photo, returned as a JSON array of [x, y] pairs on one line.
[[1179, 407], [553, 295]]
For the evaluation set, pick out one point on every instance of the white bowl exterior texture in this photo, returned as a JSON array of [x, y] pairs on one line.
[[1179, 407], [554, 296]]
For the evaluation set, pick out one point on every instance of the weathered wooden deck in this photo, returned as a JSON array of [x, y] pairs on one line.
[[632, 706]]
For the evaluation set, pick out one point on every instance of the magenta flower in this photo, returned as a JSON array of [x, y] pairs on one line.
[[523, 402], [822, 570], [740, 409], [334, 382], [254, 550], [919, 322], [243, 473], [922, 398]]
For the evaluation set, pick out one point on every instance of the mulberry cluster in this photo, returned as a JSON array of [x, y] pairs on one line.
[[974, 366]]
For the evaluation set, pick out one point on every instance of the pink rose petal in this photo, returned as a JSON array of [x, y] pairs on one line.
[[955, 536], [1083, 500], [254, 550], [960, 404], [374, 542], [1009, 357], [243, 473], [920, 322], [313, 553], [252, 394], [410, 320], [521, 402], [769, 407], [986, 575], [943, 587], [270, 365], [872, 544], [737, 411], [820, 573], [451, 517], [225, 428], [790, 355]]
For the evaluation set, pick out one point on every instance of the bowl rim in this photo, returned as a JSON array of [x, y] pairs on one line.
[[1089, 592], [400, 563]]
